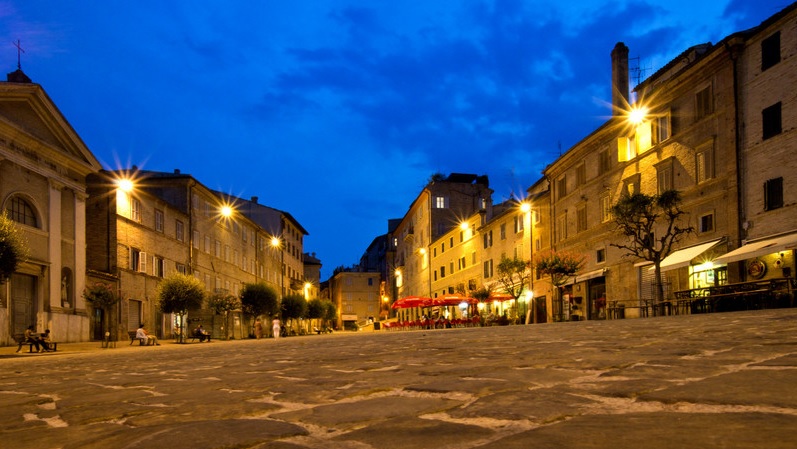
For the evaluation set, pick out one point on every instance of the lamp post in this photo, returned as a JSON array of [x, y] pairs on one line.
[[277, 244], [525, 207]]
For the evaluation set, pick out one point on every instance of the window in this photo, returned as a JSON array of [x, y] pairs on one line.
[[704, 164], [461, 263], [442, 271], [482, 204], [158, 220], [773, 194], [518, 223], [451, 267], [179, 231], [207, 244], [488, 239], [537, 244], [581, 174], [440, 202], [182, 269], [664, 179], [631, 185], [606, 207], [451, 242], [561, 187], [503, 231], [600, 255], [770, 51], [661, 125], [488, 269], [138, 260], [157, 266], [704, 103], [561, 227], [442, 247], [771, 121], [707, 223], [581, 222], [135, 210], [435, 275], [217, 249], [195, 243], [370, 282], [603, 162], [20, 211]]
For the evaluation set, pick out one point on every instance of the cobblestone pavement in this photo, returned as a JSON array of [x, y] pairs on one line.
[[705, 381]]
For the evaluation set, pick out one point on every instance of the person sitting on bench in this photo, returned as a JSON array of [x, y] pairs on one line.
[[45, 340], [201, 334], [145, 338], [32, 338]]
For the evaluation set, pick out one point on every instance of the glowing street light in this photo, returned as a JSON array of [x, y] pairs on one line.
[[125, 185], [276, 243], [226, 211], [637, 114]]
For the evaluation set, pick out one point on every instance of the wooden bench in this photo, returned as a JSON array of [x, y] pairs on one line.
[[197, 336], [20, 340], [132, 335]]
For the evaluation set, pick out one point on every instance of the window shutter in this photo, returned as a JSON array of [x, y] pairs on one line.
[[142, 262]]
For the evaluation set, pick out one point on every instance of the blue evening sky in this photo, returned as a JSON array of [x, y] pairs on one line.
[[339, 111]]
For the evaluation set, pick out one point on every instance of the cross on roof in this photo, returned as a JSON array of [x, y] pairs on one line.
[[19, 53]]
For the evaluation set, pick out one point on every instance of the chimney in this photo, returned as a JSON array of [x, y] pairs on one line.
[[254, 199], [619, 78], [176, 171]]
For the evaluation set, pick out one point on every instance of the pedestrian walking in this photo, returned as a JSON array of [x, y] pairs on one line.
[[258, 329], [275, 327]]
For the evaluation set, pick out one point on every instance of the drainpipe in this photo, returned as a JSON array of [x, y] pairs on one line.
[[733, 46]]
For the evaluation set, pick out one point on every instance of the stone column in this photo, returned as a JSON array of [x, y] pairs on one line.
[[80, 251], [54, 243]]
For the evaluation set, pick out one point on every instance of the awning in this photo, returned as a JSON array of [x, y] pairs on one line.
[[760, 248], [683, 257], [590, 275]]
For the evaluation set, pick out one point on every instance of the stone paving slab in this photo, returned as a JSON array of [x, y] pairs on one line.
[[704, 381]]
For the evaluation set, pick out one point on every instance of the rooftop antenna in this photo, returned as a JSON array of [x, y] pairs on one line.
[[19, 54], [636, 71]]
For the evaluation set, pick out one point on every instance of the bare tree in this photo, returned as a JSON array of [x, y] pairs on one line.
[[651, 224]]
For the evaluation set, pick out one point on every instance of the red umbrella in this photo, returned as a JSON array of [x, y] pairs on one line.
[[500, 297], [453, 300], [411, 301]]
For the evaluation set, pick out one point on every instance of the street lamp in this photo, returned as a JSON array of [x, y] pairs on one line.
[[226, 211], [276, 243], [637, 114]]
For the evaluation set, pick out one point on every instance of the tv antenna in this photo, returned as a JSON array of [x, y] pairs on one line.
[[637, 71]]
